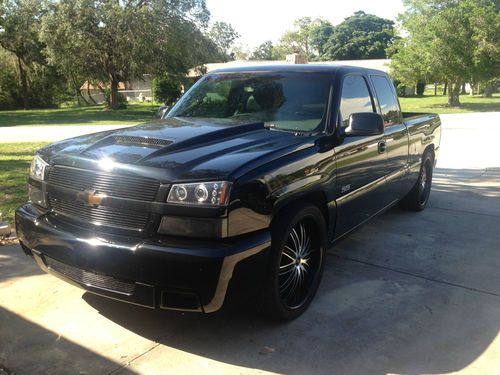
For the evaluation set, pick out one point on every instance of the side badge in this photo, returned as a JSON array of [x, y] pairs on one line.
[[345, 189]]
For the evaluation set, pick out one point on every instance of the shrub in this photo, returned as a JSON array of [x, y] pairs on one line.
[[167, 88]]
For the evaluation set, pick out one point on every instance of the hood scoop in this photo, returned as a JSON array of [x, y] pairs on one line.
[[139, 141]]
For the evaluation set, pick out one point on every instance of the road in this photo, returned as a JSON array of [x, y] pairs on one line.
[[408, 293]]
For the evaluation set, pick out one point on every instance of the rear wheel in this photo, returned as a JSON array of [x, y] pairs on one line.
[[417, 198], [298, 254]]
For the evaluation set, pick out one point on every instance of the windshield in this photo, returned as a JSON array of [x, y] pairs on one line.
[[288, 101]]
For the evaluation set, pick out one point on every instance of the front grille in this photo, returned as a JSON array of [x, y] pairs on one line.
[[91, 279], [122, 186], [101, 215]]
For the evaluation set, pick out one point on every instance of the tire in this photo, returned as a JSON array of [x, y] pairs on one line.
[[418, 197], [298, 249]]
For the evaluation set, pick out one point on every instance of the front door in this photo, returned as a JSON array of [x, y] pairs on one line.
[[361, 162]]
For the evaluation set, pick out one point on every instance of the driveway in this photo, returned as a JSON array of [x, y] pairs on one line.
[[408, 293]]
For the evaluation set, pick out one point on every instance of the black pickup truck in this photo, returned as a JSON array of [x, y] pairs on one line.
[[237, 192]]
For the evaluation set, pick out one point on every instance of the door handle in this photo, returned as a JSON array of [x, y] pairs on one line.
[[382, 147]]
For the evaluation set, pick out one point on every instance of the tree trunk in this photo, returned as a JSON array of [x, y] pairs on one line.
[[90, 95], [454, 94], [445, 87], [24, 83], [435, 89], [488, 91], [113, 97], [462, 92], [77, 97]]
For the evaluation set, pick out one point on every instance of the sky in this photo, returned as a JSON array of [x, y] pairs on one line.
[[260, 20]]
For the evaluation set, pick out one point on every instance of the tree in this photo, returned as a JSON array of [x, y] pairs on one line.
[[19, 26], [263, 52], [320, 32], [224, 36], [115, 41], [297, 40], [240, 52], [453, 41], [361, 36]]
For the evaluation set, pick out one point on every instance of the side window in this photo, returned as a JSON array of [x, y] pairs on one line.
[[387, 100], [355, 98]]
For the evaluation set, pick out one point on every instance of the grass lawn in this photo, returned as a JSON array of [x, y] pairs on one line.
[[93, 115], [439, 104], [15, 159]]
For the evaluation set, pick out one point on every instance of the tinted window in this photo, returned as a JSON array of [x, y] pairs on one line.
[[289, 101], [355, 97], [387, 100]]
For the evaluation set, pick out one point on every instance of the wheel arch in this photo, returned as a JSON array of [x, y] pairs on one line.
[[316, 198]]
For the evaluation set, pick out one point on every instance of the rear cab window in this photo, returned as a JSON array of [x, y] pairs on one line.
[[387, 100]]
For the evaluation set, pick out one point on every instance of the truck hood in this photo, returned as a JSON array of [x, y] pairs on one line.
[[180, 148]]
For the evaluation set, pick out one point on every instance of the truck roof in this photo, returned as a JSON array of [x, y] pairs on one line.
[[305, 68]]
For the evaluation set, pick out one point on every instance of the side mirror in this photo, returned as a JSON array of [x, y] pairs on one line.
[[365, 123]]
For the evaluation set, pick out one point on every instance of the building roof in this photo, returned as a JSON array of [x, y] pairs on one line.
[[91, 86]]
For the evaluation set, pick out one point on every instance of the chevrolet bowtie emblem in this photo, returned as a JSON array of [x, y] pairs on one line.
[[91, 198]]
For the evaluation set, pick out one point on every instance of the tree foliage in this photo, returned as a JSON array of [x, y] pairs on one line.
[[263, 51], [116, 41], [450, 41], [320, 33], [297, 40], [19, 25], [224, 36], [361, 36]]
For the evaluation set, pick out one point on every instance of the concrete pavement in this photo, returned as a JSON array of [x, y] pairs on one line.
[[408, 293]]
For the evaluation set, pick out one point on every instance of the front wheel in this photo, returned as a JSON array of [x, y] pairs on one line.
[[417, 198], [299, 244]]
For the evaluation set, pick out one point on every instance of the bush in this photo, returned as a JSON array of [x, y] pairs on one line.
[[167, 89], [400, 89]]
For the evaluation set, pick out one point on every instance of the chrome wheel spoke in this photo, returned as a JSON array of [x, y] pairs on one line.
[[288, 281], [289, 253], [294, 284], [299, 264], [302, 236], [295, 240]]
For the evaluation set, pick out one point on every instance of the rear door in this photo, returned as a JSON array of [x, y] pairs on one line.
[[361, 161], [396, 136]]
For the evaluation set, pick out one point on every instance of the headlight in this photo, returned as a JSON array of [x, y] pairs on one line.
[[37, 170], [214, 193]]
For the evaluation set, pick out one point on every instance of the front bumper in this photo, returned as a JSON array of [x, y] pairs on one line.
[[156, 272]]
